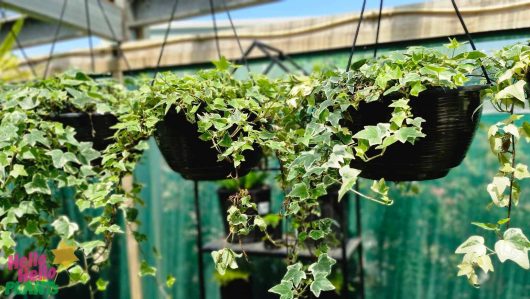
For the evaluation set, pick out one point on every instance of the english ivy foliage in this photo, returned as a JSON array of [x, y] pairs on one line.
[[319, 144], [306, 122], [510, 67], [295, 282], [38, 157], [72, 91], [232, 113]]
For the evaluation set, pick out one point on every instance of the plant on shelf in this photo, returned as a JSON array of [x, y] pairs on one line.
[[260, 193], [510, 93]]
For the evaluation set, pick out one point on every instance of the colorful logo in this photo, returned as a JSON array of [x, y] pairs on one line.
[[34, 277]]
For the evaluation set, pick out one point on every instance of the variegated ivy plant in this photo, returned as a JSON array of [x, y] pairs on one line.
[[509, 95], [319, 145], [39, 157]]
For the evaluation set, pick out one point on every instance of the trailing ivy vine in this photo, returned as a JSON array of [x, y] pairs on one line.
[[511, 67]]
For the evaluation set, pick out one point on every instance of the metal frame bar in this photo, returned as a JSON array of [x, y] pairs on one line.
[[277, 57], [49, 11]]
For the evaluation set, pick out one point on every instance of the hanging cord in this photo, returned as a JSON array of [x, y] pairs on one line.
[[114, 36], [56, 37], [89, 32], [236, 36], [215, 29], [356, 35], [17, 41], [166, 35], [468, 35], [378, 27]]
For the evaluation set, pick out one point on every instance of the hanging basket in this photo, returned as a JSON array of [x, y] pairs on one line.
[[193, 158], [90, 127], [260, 196], [451, 119]]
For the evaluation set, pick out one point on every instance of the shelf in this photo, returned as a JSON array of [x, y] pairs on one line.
[[259, 249]]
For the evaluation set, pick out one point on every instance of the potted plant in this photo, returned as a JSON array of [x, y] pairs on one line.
[[78, 101], [40, 157], [414, 100], [325, 142], [212, 122], [260, 194]]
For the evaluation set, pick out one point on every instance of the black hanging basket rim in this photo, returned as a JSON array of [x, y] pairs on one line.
[[78, 114], [440, 90], [465, 88]]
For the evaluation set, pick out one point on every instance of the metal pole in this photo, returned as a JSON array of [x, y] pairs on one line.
[[359, 235], [202, 292]]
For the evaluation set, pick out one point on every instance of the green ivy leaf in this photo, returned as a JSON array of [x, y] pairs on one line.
[[225, 259], [284, 289], [170, 280], [295, 274], [60, 158], [521, 171], [474, 244], [373, 134], [409, 134], [18, 170], [320, 284], [101, 284], [299, 190], [6, 241], [78, 275], [146, 269], [514, 246], [38, 184], [514, 91], [323, 265], [64, 227], [316, 234], [349, 178]]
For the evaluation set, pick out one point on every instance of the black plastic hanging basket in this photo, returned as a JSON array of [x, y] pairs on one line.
[[451, 119], [90, 127], [193, 158]]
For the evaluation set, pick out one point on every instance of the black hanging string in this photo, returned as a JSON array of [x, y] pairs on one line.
[[166, 35], [215, 29], [19, 44], [236, 36], [356, 35], [468, 35], [89, 32], [378, 27], [56, 37], [114, 36]]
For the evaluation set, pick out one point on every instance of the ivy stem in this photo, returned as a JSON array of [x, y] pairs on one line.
[[512, 176]]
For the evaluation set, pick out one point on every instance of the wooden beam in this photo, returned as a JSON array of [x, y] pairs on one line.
[[74, 17], [149, 12], [410, 23]]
